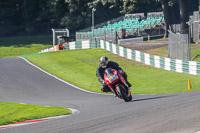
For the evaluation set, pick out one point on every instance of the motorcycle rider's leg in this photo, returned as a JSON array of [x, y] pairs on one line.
[[105, 88], [125, 77], [129, 84]]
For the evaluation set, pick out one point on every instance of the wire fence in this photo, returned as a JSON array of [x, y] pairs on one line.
[[178, 46]]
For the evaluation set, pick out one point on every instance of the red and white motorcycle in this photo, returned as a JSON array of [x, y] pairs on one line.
[[117, 84]]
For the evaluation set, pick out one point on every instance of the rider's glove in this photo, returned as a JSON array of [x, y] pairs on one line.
[[121, 72], [101, 80]]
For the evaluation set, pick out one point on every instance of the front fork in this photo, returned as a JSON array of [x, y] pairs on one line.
[[124, 82], [113, 91]]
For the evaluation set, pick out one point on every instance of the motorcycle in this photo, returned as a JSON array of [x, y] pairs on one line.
[[117, 84]]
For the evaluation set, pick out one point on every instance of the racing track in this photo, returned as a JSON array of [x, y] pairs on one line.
[[167, 113]]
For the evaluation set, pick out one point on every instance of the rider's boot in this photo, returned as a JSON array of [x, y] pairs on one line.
[[129, 85], [114, 93]]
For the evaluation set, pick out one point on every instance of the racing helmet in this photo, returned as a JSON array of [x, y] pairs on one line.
[[109, 71], [103, 61]]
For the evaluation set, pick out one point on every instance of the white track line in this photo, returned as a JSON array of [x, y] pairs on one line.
[[62, 79]]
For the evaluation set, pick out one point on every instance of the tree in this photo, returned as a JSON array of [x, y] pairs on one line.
[[184, 15], [37, 16], [165, 7], [77, 16]]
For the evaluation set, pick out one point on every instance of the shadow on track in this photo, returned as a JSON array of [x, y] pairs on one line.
[[151, 98]]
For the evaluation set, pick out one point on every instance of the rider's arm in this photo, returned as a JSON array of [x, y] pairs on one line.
[[99, 75], [98, 72], [101, 80], [114, 65], [119, 69]]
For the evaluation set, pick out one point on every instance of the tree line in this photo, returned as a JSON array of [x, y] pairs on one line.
[[33, 17]]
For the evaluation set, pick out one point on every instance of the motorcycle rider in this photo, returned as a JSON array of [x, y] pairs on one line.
[[104, 63]]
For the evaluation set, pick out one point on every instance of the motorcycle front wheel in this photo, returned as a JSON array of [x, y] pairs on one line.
[[130, 97], [122, 94]]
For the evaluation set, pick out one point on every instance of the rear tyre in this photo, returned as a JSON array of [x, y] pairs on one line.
[[122, 94]]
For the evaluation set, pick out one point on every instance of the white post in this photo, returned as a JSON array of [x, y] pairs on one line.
[[54, 39], [67, 32], [93, 10]]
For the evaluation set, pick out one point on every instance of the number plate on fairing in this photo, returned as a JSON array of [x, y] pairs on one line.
[[113, 78]]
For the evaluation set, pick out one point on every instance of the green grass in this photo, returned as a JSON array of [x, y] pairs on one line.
[[19, 51], [25, 40], [162, 51], [195, 52], [79, 67], [15, 112], [18, 46]]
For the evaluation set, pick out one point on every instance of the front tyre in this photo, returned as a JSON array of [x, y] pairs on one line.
[[122, 94], [130, 97]]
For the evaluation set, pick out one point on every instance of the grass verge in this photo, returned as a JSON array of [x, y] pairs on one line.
[[79, 67], [18, 46], [15, 112]]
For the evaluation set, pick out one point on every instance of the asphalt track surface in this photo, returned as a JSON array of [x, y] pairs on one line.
[[166, 113]]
